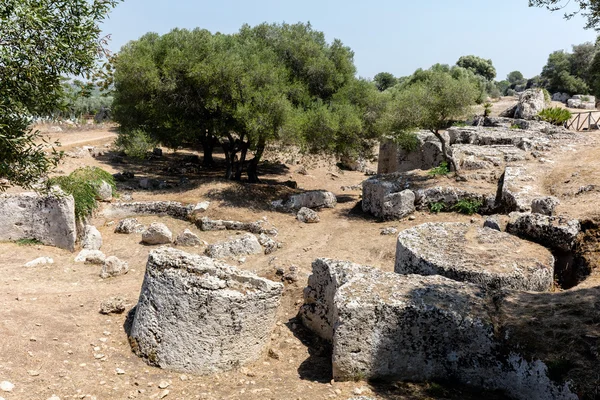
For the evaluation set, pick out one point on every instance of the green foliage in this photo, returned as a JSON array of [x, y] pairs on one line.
[[487, 109], [384, 80], [478, 65], [585, 98], [407, 141], [440, 170], [515, 77], [437, 207], [83, 184], [40, 41], [555, 115], [589, 9], [515, 126], [547, 98], [135, 143], [558, 76], [28, 242], [467, 206]]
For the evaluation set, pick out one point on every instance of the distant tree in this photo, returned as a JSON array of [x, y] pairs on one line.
[[384, 80], [40, 41], [557, 76], [581, 60], [515, 77], [478, 65], [589, 9], [433, 103], [503, 86]]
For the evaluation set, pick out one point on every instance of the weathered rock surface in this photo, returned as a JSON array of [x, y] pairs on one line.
[[244, 245], [553, 232], [418, 328], [201, 316], [469, 253], [449, 196], [516, 190], [585, 102], [492, 223], [311, 199], [375, 191], [114, 305], [398, 205], [307, 216], [113, 267], [105, 192], [49, 219], [424, 328], [393, 158], [268, 243], [39, 261], [531, 102], [129, 225], [157, 233], [544, 205], [92, 239], [562, 97], [171, 208], [207, 224], [90, 257], [188, 238]]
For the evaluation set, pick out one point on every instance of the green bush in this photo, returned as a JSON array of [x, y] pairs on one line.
[[468, 207], [407, 141], [515, 126], [437, 207], [442, 169], [83, 184], [28, 242], [555, 115], [487, 109], [135, 143], [547, 98], [585, 99]]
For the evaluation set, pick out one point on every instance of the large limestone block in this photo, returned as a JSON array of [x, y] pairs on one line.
[[531, 102], [470, 253], [201, 316], [311, 199], [517, 190], [157, 233], [427, 154], [399, 205], [424, 328], [49, 219], [171, 208], [558, 233], [327, 277]]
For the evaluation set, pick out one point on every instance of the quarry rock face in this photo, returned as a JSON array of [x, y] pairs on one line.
[[201, 316], [469, 253], [49, 219], [418, 328]]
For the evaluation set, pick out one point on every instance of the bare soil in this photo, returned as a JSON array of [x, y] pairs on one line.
[[53, 340]]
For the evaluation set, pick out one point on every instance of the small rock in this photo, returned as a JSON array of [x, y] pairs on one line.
[[201, 207], [188, 238], [492, 223], [113, 267], [104, 192], [114, 305], [6, 386], [120, 371], [92, 239], [33, 373], [157, 152], [90, 257], [157, 233], [544, 205], [389, 231], [269, 244], [54, 397], [40, 261], [307, 216], [274, 354], [129, 225], [163, 394], [163, 384]]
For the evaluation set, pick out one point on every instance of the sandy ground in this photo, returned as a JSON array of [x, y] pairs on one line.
[[53, 340]]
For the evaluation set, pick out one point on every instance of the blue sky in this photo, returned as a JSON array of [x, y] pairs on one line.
[[394, 36]]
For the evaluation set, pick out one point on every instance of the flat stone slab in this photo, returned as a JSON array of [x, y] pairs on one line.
[[470, 253], [199, 315]]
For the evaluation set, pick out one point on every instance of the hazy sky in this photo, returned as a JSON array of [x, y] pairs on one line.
[[396, 36]]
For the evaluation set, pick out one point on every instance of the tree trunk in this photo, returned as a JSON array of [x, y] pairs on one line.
[[447, 157], [229, 151], [208, 146], [240, 165], [253, 164]]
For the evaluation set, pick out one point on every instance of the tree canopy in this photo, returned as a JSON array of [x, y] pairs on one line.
[[245, 90], [589, 9], [558, 75], [40, 41], [478, 66], [384, 80]]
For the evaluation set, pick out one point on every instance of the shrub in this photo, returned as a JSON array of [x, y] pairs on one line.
[[468, 207], [585, 99], [83, 184], [135, 143], [28, 242], [555, 115], [442, 169], [437, 207], [515, 126], [511, 92], [460, 124], [487, 109], [407, 141]]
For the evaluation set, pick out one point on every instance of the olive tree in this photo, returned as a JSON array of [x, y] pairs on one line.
[[589, 9], [478, 66], [433, 103], [40, 41]]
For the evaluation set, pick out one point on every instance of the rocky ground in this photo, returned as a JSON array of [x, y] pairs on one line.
[[54, 340]]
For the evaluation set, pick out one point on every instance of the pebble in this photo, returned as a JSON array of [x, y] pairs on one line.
[[6, 386], [54, 397], [119, 371], [163, 394], [33, 373], [163, 385]]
